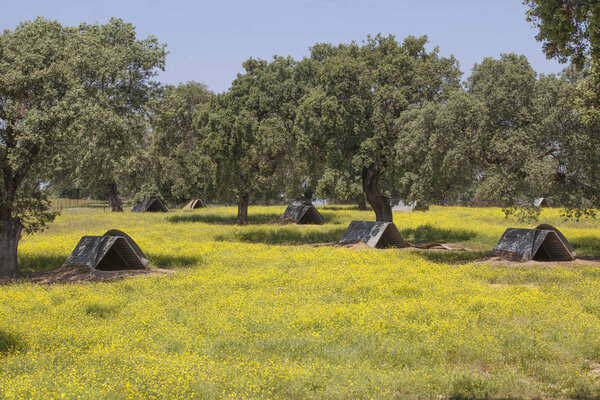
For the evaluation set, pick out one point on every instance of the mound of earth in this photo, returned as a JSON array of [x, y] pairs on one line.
[[284, 221], [80, 275], [579, 261]]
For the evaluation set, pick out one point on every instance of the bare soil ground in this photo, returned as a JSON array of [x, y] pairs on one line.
[[80, 275], [579, 261], [456, 247], [417, 246], [284, 221]]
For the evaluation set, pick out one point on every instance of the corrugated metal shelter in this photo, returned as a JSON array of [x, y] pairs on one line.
[[131, 242], [194, 204], [560, 236], [541, 202], [303, 212], [400, 205], [153, 204], [520, 244], [375, 234], [107, 253]]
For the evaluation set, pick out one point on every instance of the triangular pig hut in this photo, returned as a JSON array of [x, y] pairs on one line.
[[545, 243], [541, 202], [106, 253], [131, 242], [153, 204], [193, 204], [303, 212], [375, 234]]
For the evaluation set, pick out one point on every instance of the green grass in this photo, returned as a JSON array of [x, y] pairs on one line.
[[252, 313]]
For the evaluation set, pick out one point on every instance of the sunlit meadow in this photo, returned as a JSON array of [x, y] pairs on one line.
[[256, 313]]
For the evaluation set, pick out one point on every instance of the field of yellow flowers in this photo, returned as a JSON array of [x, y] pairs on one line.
[[255, 313]]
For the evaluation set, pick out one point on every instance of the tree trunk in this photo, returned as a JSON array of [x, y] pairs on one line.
[[10, 234], [114, 200], [380, 204], [362, 204], [242, 215]]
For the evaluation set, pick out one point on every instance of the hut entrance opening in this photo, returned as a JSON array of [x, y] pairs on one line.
[[112, 261], [155, 206]]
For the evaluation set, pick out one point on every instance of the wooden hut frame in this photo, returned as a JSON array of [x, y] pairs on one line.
[[375, 234]]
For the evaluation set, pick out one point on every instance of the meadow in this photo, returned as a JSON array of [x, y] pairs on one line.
[[255, 312]]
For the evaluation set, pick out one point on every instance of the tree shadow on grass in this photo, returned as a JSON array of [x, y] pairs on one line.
[[452, 257], [344, 208], [11, 343], [586, 245], [40, 262], [174, 261], [285, 235], [210, 218], [428, 233], [332, 217]]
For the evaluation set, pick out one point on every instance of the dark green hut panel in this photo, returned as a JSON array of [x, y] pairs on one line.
[[518, 244], [303, 213], [375, 234], [153, 204], [107, 253]]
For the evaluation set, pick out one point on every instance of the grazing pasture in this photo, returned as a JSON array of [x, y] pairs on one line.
[[257, 312]]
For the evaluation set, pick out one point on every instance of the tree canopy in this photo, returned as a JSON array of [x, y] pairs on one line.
[[247, 131], [570, 31], [66, 94], [357, 93]]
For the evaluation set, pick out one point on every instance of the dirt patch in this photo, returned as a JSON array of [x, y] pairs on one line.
[[579, 261], [440, 246], [595, 370], [352, 246], [505, 285], [284, 221], [80, 275], [418, 246]]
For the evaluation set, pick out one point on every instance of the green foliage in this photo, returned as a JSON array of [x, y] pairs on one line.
[[71, 109], [148, 190], [568, 29], [178, 164], [438, 149], [533, 142], [346, 123], [37, 104], [578, 213], [114, 69], [523, 212], [248, 131]]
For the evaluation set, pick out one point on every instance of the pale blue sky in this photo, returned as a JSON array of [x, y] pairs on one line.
[[208, 40]]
